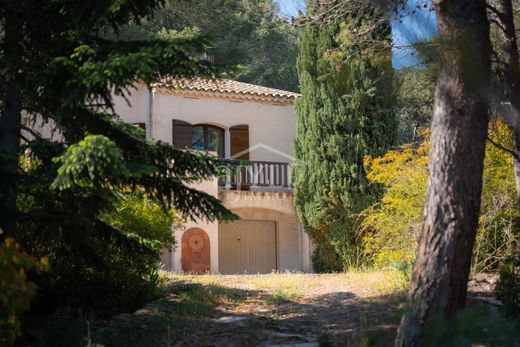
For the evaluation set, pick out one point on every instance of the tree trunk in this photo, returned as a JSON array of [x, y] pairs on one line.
[[508, 48], [516, 166], [11, 117], [458, 135]]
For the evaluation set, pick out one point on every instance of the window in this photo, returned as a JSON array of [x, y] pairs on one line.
[[208, 138]]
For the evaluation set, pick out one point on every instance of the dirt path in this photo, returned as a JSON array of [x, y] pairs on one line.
[[356, 309]]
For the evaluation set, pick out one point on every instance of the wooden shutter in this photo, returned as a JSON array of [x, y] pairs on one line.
[[181, 134], [239, 135]]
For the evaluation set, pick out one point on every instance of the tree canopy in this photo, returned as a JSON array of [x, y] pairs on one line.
[[250, 36], [346, 111], [57, 194]]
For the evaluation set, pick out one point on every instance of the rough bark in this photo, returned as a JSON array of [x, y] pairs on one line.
[[458, 134], [507, 45], [516, 169], [11, 115]]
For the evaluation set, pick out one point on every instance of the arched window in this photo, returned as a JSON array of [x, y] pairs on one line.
[[208, 138]]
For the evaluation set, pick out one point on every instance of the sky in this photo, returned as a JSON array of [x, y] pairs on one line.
[[290, 8], [413, 28]]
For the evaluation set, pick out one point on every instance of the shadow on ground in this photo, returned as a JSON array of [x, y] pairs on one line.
[[211, 315]]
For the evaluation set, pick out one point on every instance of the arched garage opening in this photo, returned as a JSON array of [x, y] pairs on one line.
[[262, 241]]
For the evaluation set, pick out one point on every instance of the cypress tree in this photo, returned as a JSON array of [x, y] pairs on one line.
[[345, 112]]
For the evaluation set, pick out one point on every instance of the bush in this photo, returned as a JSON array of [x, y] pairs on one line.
[[508, 287], [478, 326], [108, 267], [138, 215], [108, 263], [391, 227], [16, 291], [325, 259], [102, 241]]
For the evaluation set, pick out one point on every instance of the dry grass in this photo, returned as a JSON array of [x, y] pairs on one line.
[[379, 282], [279, 308], [360, 308], [373, 282]]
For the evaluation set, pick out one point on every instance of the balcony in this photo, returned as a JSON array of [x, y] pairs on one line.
[[257, 176]]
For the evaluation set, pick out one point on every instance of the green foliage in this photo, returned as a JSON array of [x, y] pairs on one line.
[[16, 290], [66, 192], [473, 327], [103, 242], [325, 259], [138, 215], [345, 112], [508, 287], [414, 88], [499, 215], [391, 227], [249, 35], [93, 161]]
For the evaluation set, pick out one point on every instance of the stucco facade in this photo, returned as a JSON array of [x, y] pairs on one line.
[[273, 126], [272, 129]]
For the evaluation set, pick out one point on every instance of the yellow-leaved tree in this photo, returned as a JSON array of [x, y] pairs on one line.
[[391, 226]]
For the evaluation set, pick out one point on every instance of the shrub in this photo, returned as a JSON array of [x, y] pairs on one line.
[[115, 262], [391, 227], [325, 259], [508, 287], [16, 291], [478, 326], [138, 215], [102, 241]]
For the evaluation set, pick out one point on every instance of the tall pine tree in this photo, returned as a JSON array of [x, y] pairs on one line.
[[58, 64], [345, 112]]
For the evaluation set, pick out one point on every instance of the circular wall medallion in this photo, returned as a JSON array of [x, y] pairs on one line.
[[196, 251]]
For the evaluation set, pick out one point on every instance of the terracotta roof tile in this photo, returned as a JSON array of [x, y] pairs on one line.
[[225, 87]]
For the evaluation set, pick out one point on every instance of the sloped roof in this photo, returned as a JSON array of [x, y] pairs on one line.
[[225, 88]]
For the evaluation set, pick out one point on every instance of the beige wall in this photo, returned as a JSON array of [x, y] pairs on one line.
[[136, 109], [44, 128], [271, 127], [172, 258], [271, 133], [293, 246]]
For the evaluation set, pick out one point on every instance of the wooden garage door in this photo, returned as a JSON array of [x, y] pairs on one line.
[[247, 246]]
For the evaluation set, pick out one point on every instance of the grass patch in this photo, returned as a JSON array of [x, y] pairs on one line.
[[186, 304], [292, 282], [199, 299], [281, 296], [190, 301], [384, 282]]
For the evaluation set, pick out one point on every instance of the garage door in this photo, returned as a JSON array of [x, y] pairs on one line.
[[247, 246]]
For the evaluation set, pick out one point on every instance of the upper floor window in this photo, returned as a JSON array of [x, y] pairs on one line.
[[208, 138], [205, 137]]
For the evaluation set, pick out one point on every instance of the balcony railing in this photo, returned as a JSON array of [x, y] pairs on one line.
[[257, 175]]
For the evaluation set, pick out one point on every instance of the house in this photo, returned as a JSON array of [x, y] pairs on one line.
[[232, 120]]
